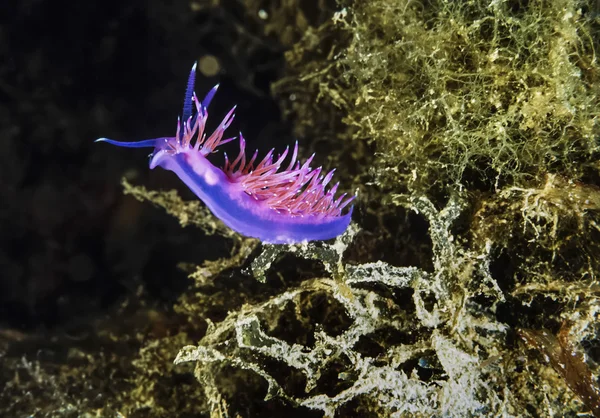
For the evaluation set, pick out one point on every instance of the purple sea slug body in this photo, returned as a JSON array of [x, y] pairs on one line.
[[261, 200]]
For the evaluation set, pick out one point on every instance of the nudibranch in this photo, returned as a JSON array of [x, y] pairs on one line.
[[261, 200]]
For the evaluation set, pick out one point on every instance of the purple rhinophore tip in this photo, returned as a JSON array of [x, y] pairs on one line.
[[209, 96]]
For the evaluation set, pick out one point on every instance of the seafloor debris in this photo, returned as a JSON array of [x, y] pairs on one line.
[[568, 360]]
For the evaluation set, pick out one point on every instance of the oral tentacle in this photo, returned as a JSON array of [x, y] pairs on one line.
[[147, 143]]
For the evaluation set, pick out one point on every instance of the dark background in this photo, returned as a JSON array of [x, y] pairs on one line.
[[71, 244]]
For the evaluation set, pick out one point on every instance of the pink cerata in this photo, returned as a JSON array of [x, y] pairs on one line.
[[261, 200]]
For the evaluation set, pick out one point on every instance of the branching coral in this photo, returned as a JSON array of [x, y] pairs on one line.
[[390, 381]]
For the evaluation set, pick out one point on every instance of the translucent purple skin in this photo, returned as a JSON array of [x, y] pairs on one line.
[[239, 211], [225, 197]]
